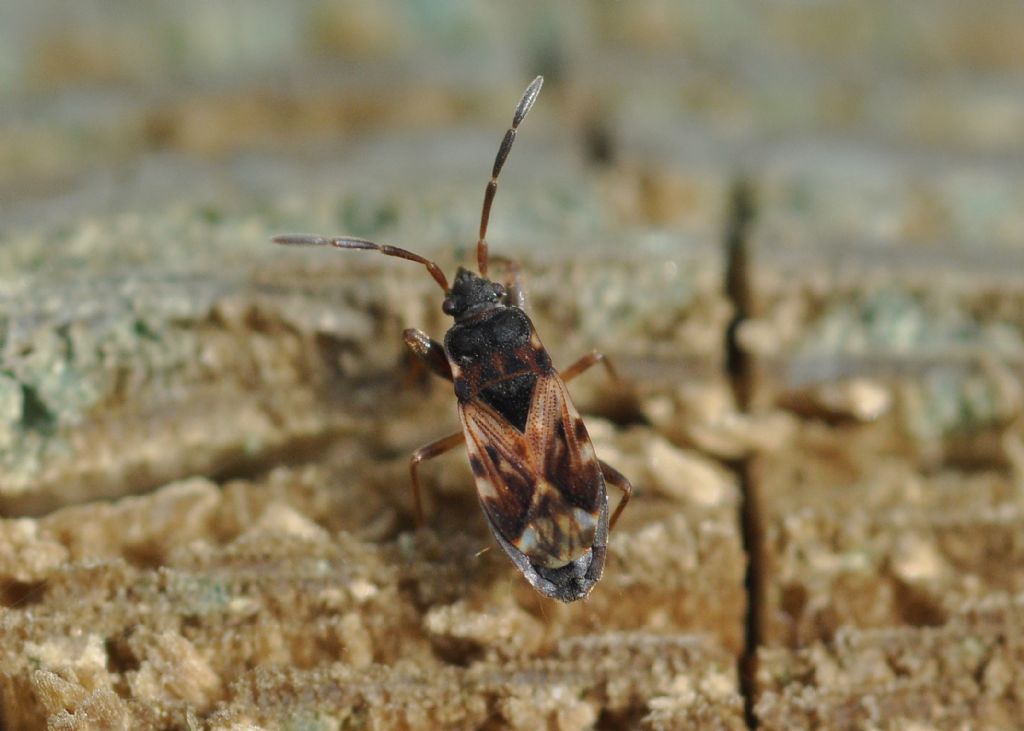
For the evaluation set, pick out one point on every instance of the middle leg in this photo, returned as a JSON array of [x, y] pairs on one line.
[[583, 364]]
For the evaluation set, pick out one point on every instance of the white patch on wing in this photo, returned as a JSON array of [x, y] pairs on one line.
[[484, 487]]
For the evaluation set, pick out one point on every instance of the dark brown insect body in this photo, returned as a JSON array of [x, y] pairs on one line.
[[539, 481]]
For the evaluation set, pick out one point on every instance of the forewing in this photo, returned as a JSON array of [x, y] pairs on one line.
[[500, 458], [542, 490], [556, 432]]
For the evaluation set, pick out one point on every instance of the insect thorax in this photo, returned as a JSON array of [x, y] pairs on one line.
[[497, 358]]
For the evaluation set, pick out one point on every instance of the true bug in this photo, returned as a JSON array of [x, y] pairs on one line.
[[541, 486]]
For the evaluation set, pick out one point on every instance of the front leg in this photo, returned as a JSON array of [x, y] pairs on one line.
[[429, 351], [515, 287]]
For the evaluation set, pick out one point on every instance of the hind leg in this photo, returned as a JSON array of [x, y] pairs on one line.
[[615, 478], [434, 449]]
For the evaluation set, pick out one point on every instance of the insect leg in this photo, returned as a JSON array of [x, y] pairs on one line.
[[515, 287], [584, 363], [429, 451], [351, 242], [429, 351], [613, 477]]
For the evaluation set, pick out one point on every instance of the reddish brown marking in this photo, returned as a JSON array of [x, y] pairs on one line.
[[548, 457], [581, 431], [577, 476]]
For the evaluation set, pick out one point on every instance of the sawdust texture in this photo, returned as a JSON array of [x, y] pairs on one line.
[[251, 602], [966, 673]]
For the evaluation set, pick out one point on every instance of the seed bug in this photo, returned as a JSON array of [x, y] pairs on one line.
[[538, 479]]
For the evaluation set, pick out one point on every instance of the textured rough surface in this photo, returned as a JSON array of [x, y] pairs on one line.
[[288, 573], [602, 678], [227, 350], [796, 227], [890, 295], [966, 673], [855, 536]]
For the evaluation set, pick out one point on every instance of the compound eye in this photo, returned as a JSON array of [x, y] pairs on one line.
[[448, 306], [499, 291]]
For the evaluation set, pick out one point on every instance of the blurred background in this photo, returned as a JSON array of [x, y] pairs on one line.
[[844, 89], [798, 224]]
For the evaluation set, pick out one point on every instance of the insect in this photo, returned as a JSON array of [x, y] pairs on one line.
[[539, 482]]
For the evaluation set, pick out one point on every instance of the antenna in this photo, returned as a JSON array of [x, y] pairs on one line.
[[522, 109], [350, 242]]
